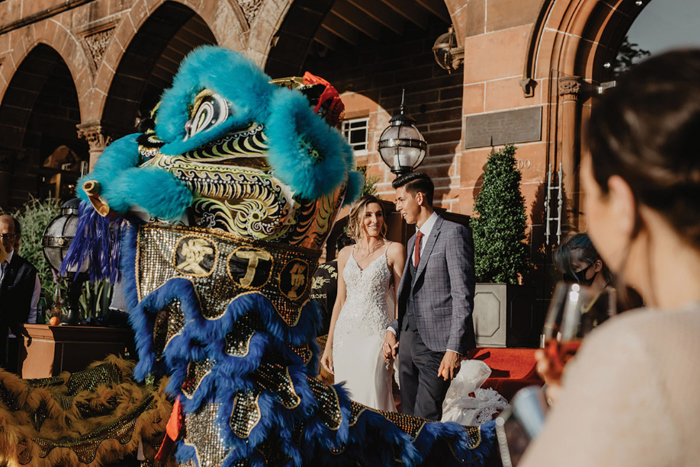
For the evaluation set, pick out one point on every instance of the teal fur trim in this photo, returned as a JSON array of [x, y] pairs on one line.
[[123, 184], [120, 155], [305, 153], [228, 73], [355, 183]]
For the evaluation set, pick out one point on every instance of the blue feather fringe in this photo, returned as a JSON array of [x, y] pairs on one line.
[[97, 240]]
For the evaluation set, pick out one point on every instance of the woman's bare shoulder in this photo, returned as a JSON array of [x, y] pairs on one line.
[[345, 253], [396, 250]]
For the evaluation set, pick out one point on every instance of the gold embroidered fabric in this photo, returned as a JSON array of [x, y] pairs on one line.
[[85, 447], [238, 340], [203, 432], [303, 351], [275, 378], [223, 266], [196, 372], [328, 403], [235, 191], [245, 414], [66, 420], [169, 323]]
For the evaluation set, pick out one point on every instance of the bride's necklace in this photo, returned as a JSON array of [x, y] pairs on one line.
[[371, 252]]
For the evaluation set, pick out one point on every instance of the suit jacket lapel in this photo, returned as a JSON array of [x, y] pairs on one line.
[[8, 278], [425, 255]]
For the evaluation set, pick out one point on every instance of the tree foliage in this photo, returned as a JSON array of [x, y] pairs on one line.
[[370, 187], [498, 226], [628, 55]]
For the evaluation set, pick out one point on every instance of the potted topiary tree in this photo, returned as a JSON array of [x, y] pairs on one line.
[[503, 310]]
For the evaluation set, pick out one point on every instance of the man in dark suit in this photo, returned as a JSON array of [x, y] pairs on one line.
[[17, 283], [436, 299]]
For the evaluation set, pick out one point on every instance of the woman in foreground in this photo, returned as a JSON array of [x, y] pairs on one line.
[[630, 396]]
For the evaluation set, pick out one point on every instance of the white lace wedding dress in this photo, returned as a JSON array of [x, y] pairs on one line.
[[359, 334]]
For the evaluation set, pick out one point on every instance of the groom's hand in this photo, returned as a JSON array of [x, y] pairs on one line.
[[390, 346], [450, 365]]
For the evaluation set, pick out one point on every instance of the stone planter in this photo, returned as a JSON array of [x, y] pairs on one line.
[[48, 350], [505, 316]]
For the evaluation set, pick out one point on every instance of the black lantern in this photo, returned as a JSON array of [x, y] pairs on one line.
[[401, 145], [59, 235], [447, 55], [57, 239]]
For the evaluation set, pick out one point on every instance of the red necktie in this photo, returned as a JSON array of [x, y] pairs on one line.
[[416, 256]]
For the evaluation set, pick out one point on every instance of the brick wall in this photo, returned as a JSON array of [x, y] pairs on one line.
[[372, 76]]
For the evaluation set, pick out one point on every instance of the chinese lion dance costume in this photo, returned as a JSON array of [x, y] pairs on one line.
[[221, 206]]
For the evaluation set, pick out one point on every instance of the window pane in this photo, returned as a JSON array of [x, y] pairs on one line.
[[358, 136]]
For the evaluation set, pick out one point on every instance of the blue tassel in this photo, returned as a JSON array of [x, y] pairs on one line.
[[97, 240]]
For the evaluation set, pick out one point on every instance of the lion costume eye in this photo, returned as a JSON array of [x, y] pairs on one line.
[[209, 110]]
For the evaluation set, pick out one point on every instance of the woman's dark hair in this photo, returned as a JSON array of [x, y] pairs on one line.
[[342, 241], [646, 130], [578, 248], [415, 182]]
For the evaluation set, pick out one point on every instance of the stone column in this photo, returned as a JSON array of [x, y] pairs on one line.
[[569, 90], [96, 136]]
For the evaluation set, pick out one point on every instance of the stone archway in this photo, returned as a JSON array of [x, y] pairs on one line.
[[40, 152], [132, 74], [149, 63], [570, 44]]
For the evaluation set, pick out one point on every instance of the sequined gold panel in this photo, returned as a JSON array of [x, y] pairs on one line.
[[355, 410], [407, 423], [202, 432], [275, 378], [8, 399], [242, 331], [222, 266], [245, 414], [473, 436], [271, 449], [88, 380], [169, 323], [328, 403], [303, 351], [196, 372], [85, 447]]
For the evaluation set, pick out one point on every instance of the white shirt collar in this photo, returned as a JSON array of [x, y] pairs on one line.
[[429, 224]]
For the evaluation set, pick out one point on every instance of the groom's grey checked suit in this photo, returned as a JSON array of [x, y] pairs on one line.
[[436, 300]]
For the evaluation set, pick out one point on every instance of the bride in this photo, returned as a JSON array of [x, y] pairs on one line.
[[370, 273]]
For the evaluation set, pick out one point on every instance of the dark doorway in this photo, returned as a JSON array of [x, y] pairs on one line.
[[150, 62], [40, 152]]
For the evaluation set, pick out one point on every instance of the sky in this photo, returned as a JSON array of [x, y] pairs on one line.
[[665, 24]]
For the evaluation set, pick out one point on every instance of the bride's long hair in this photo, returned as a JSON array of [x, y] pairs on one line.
[[357, 213]]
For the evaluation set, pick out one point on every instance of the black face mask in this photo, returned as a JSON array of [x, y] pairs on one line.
[[580, 276]]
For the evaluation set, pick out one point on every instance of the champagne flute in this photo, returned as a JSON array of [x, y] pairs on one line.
[[575, 311]]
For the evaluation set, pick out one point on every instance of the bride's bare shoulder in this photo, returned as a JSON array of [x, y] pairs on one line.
[[344, 254], [396, 251]]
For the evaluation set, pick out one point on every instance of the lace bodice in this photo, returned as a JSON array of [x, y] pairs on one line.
[[368, 290]]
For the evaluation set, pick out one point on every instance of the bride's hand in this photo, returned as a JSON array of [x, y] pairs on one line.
[[327, 361]]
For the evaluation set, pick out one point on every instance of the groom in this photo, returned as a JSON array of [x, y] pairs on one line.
[[436, 299]]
